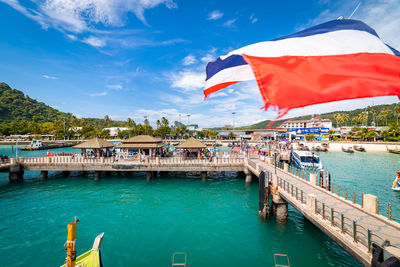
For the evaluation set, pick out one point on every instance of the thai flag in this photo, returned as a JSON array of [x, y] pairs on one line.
[[336, 60]]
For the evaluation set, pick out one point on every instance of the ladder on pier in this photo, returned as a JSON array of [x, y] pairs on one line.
[[281, 260], [179, 255]]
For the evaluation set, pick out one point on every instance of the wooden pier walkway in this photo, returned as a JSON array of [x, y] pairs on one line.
[[352, 226]]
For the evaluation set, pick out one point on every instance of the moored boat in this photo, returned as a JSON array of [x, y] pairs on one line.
[[394, 150], [347, 150], [396, 186], [359, 148], [91, 258], [306, 159]]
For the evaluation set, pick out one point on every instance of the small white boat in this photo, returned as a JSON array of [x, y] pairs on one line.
[[306, 159], [395, 186]]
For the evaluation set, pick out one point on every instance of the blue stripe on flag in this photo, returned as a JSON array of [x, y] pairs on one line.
[[220, 64], [396, 53], [331, 26]]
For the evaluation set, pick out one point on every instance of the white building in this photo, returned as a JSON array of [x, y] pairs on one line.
[[115, 130], [316, 122]]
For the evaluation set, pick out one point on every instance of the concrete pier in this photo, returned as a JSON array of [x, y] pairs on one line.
[[204, 176], [44, 175]]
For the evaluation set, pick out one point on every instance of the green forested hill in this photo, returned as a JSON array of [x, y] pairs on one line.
[[15, 106], [378, 108]]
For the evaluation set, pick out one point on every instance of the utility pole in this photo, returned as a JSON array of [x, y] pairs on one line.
[[145, 125], [233, 124]]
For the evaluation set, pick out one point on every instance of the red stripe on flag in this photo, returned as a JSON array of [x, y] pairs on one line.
[[217, 87], [297, 81]]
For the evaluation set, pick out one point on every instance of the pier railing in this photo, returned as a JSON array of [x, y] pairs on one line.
[[77, 158], [347, 226], [385, 209]]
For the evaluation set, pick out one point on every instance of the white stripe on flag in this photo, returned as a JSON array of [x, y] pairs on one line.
[[325, 44], [233, 74]]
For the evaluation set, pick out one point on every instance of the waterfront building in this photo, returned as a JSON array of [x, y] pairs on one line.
[[98, 146], [316, 122], [115, 130], [146, 144]]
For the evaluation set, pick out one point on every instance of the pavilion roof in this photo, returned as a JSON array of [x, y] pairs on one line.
[[142, 139], [140, 145], [95, 143], [190, 144]]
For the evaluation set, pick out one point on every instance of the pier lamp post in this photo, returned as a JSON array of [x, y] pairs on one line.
[[188, 116], [275, 157]]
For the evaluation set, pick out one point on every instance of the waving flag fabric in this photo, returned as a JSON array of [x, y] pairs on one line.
[[336, 60]]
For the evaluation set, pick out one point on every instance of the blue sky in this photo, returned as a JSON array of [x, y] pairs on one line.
[[147, 57]]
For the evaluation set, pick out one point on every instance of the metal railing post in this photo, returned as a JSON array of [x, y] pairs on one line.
[[389, 211], [323, 211], [354, 231], [301, 193], [297, 193], [342, 223], [369, 241], [362, 200], [332, 217]]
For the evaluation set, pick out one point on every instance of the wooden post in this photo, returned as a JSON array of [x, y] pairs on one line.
[[71, 243], [44, 175]]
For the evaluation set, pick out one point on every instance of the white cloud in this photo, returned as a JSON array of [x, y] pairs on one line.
[[253, 19], [94, 41], [189, 60], [79, 16], [188, 80], [230, 23], [49, 77], [114, 86], [104, 93], [214, 15]]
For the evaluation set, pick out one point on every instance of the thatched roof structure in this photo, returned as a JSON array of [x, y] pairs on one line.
[[141, 141], [94, 144], [191, 143]]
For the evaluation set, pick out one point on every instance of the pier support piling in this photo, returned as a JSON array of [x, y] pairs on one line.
[[279, 207], [263, 197], [148, 176], [204, 176], [16, 173], [97, 175], [44, 175], [66, 173], [248, 175]]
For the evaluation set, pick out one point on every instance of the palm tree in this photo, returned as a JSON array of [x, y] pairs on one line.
[[107, 120], [373, 112], [337, 117], [345, 118], [362, 117], [355, 119], [397, 113], [382, 116]]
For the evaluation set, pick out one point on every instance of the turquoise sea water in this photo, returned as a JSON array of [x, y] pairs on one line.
[[215, 222]]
